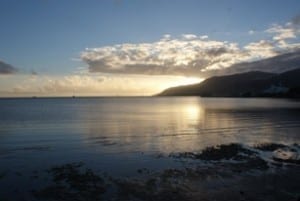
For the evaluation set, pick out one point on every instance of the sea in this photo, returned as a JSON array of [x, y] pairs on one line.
[[120, 135]]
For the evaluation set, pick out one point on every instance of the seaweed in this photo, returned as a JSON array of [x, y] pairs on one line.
[[220, 152], [291, 161], [72, 183], [269, 146]]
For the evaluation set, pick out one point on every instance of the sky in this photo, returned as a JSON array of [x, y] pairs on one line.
[[135, 47]]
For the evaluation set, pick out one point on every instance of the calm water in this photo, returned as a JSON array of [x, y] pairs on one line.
[[120, 135]]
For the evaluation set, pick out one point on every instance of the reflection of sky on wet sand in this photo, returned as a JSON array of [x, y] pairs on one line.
[[188, 124]]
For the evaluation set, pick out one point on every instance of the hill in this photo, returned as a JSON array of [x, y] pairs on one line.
[[249, 84]]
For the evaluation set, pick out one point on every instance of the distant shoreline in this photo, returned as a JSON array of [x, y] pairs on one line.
[[72, 97], [154, 96]]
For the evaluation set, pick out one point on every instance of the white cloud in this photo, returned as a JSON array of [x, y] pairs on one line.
[[167, 36], [71, 84], [282, 32], [189, 36], [261, 49], [251, 32], [204, 37], [188, 55]]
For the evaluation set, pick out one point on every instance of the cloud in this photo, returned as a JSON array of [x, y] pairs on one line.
[[251, 32], [188, 55], [89, 85], [296, 20], [189, 36], [33, 72], [283, 32], [261, 49], [7, 68], [58, 85], [71, 83], [276, 64]]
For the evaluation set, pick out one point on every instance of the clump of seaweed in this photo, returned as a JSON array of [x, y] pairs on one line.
[[70, 182], [228, 151], [252, 163], [291, 161], [269, 146], [239, 158]]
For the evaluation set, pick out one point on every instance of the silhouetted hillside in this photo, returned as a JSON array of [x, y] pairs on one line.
[[250, 84]]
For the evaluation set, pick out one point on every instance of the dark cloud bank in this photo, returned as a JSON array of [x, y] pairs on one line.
[[278, 64], [7, 68]]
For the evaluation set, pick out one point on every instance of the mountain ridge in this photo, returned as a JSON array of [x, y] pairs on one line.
[[248, 84]]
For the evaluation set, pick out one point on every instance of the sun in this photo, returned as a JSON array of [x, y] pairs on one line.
[[188, 81], [175, 81], [156, 84]]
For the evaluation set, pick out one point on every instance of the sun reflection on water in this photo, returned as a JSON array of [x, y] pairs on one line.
[[193, 112], [175, 124]]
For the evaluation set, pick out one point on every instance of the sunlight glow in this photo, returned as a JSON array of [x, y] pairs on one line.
[[190, 80], [91, 85], [162, 83], [193, 112]]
